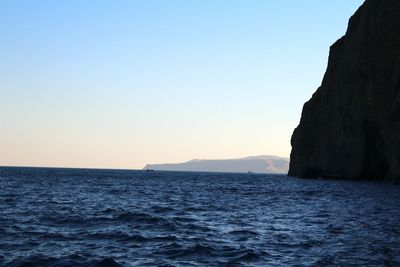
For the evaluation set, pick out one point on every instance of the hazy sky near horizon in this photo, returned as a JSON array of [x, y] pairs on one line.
[[118, 84]]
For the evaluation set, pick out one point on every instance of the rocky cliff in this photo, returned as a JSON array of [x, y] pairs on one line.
[[351, 126]]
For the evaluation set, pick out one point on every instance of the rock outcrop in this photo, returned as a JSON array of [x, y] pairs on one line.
[[351, 126], [257, 164]]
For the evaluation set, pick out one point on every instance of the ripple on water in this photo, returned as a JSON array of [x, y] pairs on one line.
[[61, 217]]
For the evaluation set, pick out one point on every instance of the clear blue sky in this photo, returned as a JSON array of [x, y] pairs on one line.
[[124, 83]]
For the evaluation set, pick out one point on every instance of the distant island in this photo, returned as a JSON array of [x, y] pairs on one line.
[[254, 164]]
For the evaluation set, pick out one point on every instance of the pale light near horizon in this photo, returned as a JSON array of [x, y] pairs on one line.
[[119, 84]]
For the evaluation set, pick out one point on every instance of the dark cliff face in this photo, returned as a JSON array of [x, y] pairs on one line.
[[351, 126]]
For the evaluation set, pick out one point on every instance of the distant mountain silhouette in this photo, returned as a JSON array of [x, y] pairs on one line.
[[256, 164]]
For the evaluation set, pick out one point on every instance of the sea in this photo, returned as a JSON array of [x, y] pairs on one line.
[[105, 218]]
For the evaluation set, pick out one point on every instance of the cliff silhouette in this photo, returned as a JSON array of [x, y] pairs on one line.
[[351, 126]]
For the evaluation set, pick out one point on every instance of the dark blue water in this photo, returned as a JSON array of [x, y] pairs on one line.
[[66, 217]]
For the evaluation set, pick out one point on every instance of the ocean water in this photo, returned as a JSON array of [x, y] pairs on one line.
[[77, 217]]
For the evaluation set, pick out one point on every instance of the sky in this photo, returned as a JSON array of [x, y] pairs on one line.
[[119, 84]]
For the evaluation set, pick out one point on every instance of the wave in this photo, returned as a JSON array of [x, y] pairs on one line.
[[72, 261], [79, 218]]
